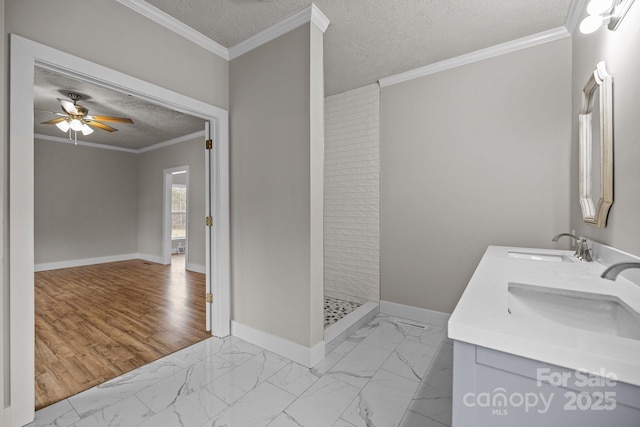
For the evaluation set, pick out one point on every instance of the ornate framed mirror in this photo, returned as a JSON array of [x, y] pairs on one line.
[[595, 151]]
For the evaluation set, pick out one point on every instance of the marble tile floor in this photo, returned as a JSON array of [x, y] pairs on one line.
[[385, 374]]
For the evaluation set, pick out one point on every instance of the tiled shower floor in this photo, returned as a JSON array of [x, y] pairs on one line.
[[335, 309]]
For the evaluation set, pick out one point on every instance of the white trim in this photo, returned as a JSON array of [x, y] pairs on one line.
[[159, 145], [83, 143], [308, 14], [208, 267], [573, 17], [478, 55], [416, 314], [172, 141], [171, 23], [25, 55], [196, 268], [318, 18], [44, 266], [219, 261], [306, 356]]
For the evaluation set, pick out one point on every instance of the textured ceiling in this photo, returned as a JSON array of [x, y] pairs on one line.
[[366, 41], [153, 124], [371, 39]]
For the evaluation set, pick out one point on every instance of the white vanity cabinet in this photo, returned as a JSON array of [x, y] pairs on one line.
[[495, 389], [542, 340]]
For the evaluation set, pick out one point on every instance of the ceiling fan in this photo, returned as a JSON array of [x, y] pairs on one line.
[[77, 119]]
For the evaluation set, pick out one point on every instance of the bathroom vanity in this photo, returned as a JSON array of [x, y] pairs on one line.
[[541, 339]]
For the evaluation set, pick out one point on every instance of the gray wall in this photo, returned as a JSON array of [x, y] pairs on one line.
[[85, 202], [270, 190], [619, 49], [474, 156], [85, 195], [151, 166]]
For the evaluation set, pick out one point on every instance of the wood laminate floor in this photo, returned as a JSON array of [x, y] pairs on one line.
[[96, 322]]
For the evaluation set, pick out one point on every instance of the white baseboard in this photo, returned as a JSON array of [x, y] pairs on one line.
[[306, 356], [84, 261], [416, 314], [112, 258], [151, 258], [196, 268]]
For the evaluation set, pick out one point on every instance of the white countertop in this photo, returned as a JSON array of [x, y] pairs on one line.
[[481, 317]]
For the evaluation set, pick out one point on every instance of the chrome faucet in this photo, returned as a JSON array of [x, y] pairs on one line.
[[583, 253], [613, 270], [558, 236]]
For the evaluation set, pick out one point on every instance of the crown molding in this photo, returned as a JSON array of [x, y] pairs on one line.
[[171, 23], [309, 14], [163, 144], [173, 141], [573, 17], [478, 55], [83, 143], [318, 18]]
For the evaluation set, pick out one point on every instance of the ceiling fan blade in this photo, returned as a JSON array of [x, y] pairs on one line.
[[52, 112], [111, 119], [68, 106], [100, 125], [54, 121]]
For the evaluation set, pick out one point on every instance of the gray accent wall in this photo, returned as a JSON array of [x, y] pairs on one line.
[[85, 202], [151, 166], [619, 49], [275, 179], [93, 203], [469, 157]]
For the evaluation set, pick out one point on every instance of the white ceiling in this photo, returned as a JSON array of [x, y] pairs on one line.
[[367, 40], [371, 39]]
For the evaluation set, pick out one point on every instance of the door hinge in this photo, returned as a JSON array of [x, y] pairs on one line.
[[209, 297], [209, 221], [208, 144]]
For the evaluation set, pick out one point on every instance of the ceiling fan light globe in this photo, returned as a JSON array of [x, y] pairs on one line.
[[598, 7], [75, 125], [63, 126], [591, 23], [86, 130]]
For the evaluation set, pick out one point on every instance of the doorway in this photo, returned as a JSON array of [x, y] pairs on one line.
[[176, 201], [25, 55]]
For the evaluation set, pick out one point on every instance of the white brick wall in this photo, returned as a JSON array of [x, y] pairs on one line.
[[351, 195]]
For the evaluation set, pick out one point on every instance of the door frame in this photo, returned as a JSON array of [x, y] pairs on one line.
[[167, 244], [24, 56]]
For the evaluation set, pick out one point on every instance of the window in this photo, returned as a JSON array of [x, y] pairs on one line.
[[178, 211]]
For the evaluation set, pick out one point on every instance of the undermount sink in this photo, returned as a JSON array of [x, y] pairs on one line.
[[604, 314], [538, 256]]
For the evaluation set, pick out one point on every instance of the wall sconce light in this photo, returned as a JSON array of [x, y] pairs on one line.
[[603, 12]]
